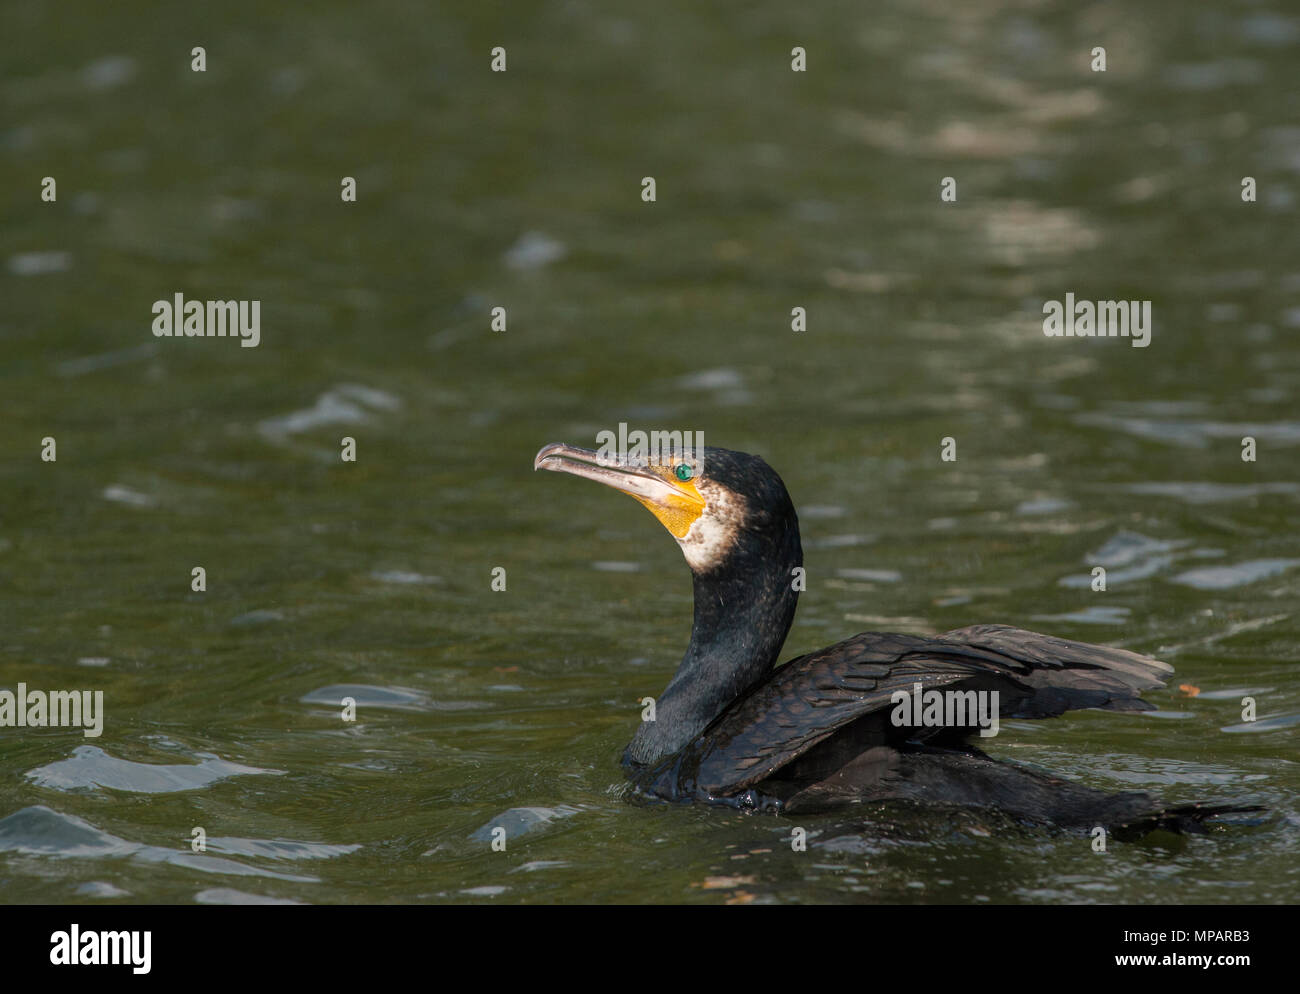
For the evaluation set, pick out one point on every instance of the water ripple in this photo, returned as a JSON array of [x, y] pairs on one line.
[[91, 767], [42, 831]]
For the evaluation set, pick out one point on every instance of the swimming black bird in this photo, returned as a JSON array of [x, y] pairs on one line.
[[831, 728]]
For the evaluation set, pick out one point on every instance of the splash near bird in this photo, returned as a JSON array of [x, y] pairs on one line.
[[823, 731]]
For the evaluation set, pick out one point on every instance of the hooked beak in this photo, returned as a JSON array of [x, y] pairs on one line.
[[677, 504]]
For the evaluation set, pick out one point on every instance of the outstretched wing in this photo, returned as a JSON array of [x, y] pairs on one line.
[[845, 690]]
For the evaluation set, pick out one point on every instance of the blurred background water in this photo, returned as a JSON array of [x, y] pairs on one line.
[[522, 189]]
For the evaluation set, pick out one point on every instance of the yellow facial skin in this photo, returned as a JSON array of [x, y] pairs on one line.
[[677, 509], [677, 503]]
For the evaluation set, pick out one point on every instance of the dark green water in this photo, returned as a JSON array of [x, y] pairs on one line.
[[775, 190]]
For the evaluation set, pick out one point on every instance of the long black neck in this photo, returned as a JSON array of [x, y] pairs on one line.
[[743, 611]]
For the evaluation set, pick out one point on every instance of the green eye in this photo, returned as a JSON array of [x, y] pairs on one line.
[[684, 472]]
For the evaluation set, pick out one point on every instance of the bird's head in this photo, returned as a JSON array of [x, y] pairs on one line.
[[716, 503], [736, 525]]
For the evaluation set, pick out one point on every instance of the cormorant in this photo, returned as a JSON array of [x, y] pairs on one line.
[[829, 728]]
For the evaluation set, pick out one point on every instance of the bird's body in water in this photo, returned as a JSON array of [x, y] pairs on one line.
[[830, 729]]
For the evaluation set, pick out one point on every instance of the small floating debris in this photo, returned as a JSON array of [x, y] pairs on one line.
[[722, 883]]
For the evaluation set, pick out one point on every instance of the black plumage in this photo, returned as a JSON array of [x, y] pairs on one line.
[[822, 731]]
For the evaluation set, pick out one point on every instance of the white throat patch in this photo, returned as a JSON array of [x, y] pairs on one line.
[[713, 534]]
